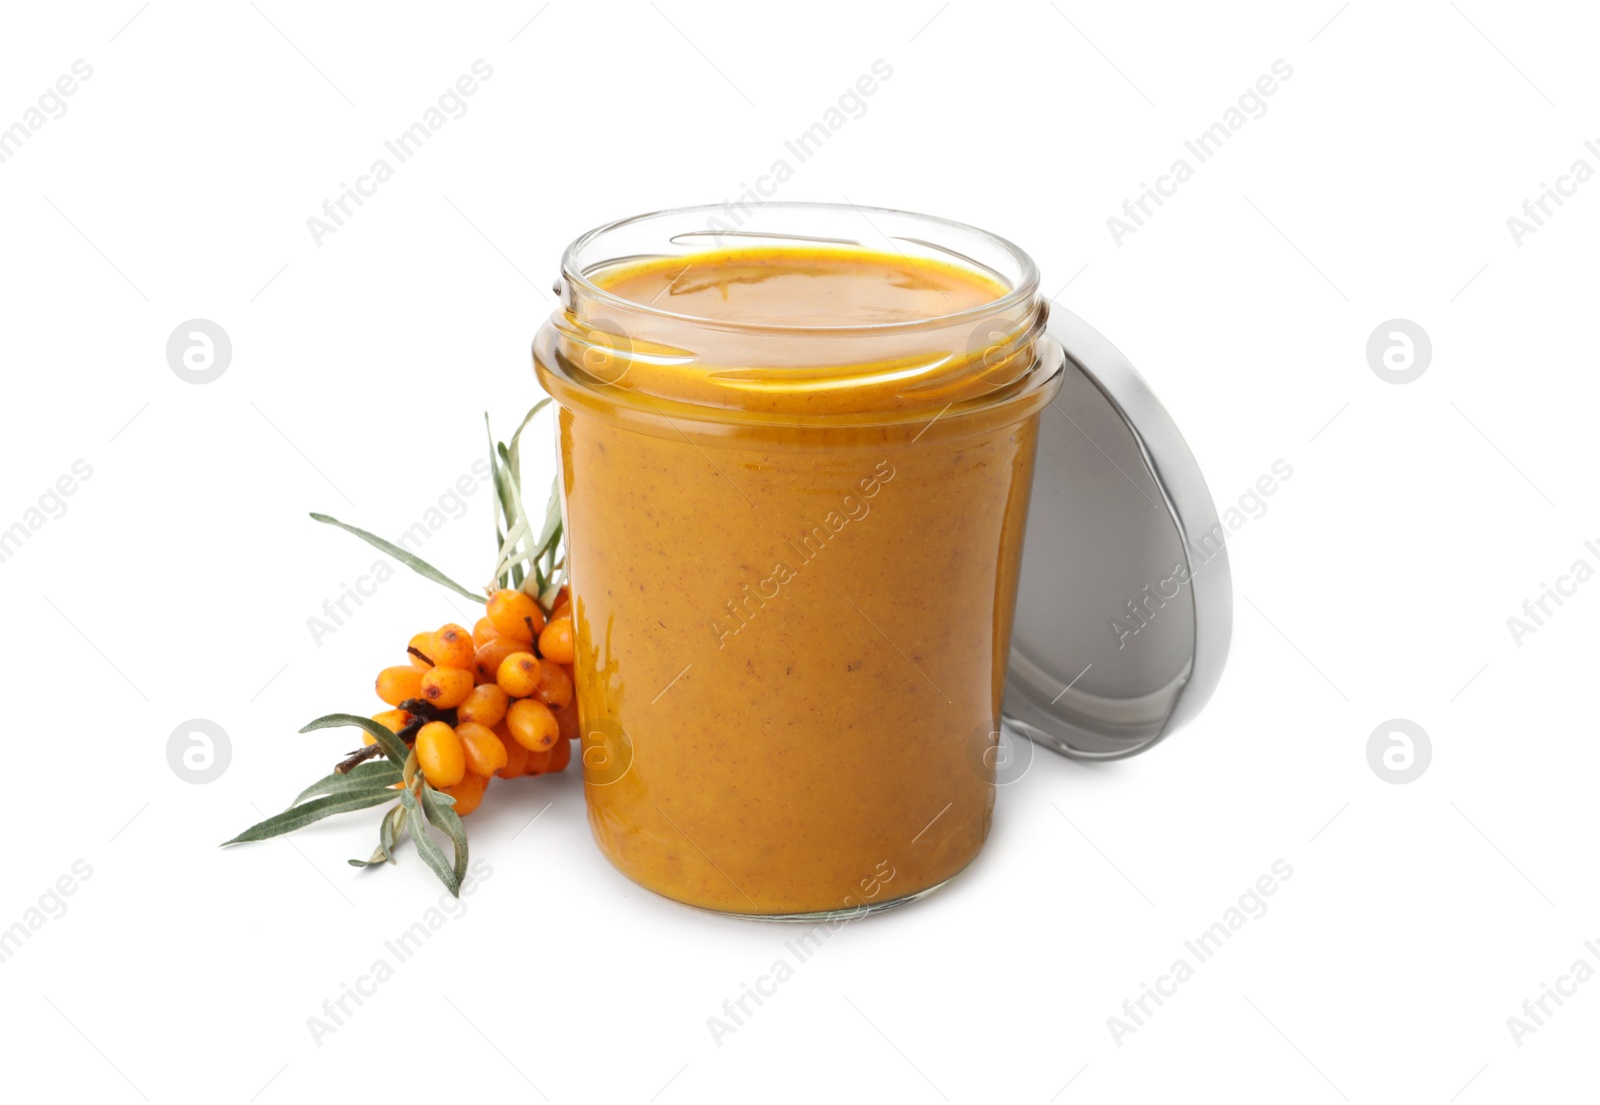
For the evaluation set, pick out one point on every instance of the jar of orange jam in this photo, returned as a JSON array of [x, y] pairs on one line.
[[796, 459]]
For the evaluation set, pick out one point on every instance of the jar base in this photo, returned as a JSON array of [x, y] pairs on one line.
[[828, 916]]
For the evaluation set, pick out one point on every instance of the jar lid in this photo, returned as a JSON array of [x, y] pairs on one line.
[[1125, 603]]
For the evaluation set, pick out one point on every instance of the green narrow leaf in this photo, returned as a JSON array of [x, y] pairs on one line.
[[497, 508], [505, 459], [505, 496], [415, 563], [548, 552], [432, 854], [544, 560], [552, 511], [388, 835], [511, 553], [501, 581], [393, 746], [515, 452], [357, 778], [522, 548], [441, 813], [298, 817], [513, 487], [393, 828], [508, 548]]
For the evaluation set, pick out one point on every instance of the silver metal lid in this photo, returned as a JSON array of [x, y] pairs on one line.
[[1125, 605]]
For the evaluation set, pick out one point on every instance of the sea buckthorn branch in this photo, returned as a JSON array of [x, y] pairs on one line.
[[467, 706], [521, 564]]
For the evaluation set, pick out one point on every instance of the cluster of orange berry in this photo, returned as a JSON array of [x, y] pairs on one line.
[[495, 701]]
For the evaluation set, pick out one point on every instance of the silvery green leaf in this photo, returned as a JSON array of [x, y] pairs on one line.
[[509, 553], [432, 854], [504, 491], [393, 747], [298, 817], [394, 827], [515, 452], [551, 533], [415, 563], [361, 776], [441, 813], [394, 823]]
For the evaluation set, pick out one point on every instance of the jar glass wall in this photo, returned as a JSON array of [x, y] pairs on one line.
[[796, 456]]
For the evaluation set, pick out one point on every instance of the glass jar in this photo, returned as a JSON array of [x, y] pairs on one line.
[[793, 542]]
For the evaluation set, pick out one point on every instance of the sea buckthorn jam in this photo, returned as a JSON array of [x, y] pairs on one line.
[[796, 466]]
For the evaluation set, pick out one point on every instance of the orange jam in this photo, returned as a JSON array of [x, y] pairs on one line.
[[796, 479]]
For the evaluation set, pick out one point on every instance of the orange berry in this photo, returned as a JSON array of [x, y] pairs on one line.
[[395, 685], [486, 753], [539, 762], [483, 631], [555, 685], [532, 724], [486, 662], [555, 643], [392, 720], [519, 674], [446, 687], [516, 755], [440, 755], [423, 643], [567, 721], [560, 755], [468, 793], [486, 705], [452, 647], [515, 615]]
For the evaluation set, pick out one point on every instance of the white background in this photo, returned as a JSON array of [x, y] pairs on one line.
[[1377, 584]]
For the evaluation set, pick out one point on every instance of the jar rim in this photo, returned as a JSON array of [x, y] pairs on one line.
[[1023, 289]]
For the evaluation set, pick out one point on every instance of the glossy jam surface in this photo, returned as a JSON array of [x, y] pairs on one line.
[[801, 288], [793, 616]]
